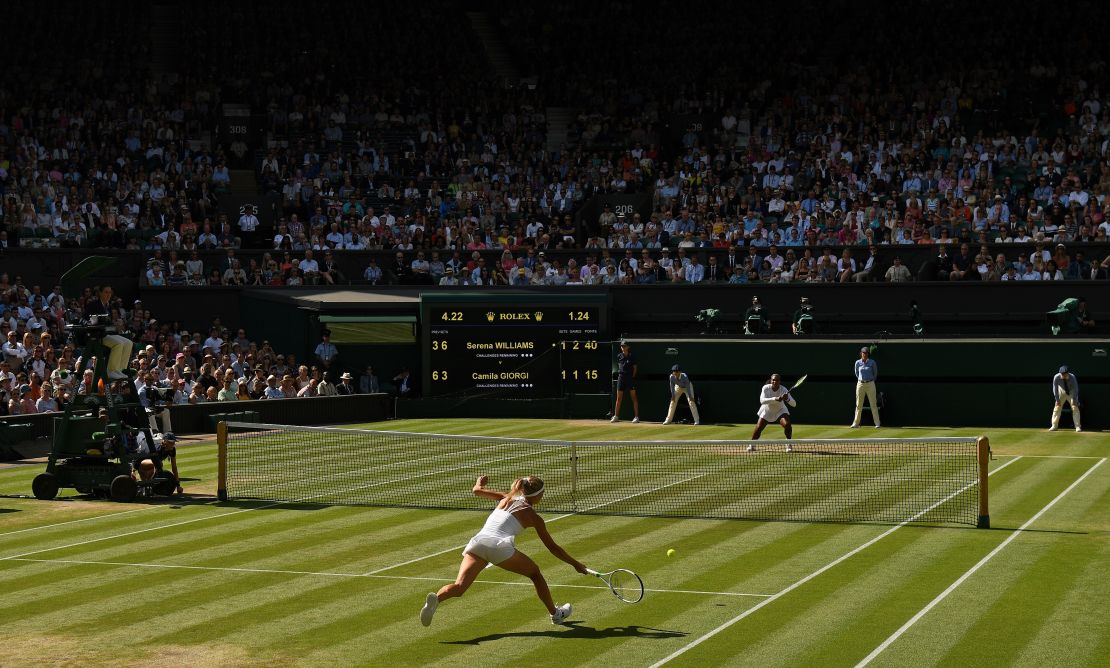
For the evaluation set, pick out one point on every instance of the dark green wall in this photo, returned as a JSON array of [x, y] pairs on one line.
[[924, 382]]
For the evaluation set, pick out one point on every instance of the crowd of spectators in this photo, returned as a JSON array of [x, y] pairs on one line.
[[38, 361], [383, 145]]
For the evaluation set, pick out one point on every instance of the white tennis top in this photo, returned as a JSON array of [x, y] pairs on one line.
[[502, 524], [770, 408]]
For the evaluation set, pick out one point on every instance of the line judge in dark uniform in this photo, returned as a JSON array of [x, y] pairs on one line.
[[626, 382]]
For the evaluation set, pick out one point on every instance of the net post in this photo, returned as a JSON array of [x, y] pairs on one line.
[[983, 445], [573, 475], [221, 454]]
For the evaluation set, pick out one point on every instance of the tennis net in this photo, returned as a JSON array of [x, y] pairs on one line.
[[863, 480]]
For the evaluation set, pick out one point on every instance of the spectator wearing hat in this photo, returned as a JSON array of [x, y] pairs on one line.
[[373, 273], [449, 277], [26, 402], [899, 273], [680, 385], [1065, 389], [272, 390], [344, 388]]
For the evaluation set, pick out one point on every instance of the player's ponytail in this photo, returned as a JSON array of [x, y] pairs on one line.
[[527, 487], [531, 485]]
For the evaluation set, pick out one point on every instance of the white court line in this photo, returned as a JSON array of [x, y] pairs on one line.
[[554, 519], [971, 571], [363, 575], [697, 641], [234, 512], [83, 519], [1059, 456]]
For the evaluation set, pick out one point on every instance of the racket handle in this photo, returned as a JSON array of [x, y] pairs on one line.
[[593, 572]]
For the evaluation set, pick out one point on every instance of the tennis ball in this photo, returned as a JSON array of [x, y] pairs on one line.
[[670, 552]]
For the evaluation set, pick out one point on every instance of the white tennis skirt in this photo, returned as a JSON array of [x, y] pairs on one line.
[[492, 549]]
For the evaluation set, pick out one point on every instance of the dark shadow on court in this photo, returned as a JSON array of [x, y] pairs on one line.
[[962, 527], [273, 505], [578, 631], [9, 510]]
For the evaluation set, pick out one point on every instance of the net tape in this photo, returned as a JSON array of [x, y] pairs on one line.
[[861, 480]]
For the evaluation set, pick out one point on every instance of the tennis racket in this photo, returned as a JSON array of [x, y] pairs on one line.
[[798, 384], [625, 585]]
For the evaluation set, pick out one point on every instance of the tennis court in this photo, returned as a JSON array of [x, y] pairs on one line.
[[247, 582]]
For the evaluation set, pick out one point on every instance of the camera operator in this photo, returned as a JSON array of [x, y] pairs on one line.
[[803, 321], [149, 462], [755, 321]]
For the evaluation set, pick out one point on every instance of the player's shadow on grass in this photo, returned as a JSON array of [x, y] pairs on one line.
[[579, 631], [9, 510]]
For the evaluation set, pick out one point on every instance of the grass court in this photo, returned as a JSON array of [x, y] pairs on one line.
[[196, 581]]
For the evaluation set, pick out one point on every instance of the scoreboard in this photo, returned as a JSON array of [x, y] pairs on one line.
[[515, 345]]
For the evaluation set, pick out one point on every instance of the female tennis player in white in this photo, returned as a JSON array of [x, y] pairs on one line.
[[773, 407], [495, 544]]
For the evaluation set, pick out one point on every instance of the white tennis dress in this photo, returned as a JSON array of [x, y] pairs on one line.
[[770, 408], [496, 542]]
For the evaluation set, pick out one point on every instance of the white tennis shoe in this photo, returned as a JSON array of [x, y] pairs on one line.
[[789, 448], [614, 418], [429, 609], [561, 613], [1078, 429], [635, 420], [751, 448], [666, 421], [1053, 428]]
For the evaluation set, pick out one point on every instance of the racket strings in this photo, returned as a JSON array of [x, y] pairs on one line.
[[626, 586]]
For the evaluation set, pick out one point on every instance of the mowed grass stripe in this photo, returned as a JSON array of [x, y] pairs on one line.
[[936, 633], [960, 611], [721, 535], [526, 596], [882, 583], [1073, 628], [250, 554], [913, 559], [343, 643], [1041, 576], [112, 525], [193, 585], [800, 591], [800, 629]]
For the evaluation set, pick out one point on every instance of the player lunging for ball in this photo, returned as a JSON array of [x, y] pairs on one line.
[[773, 402], [496, 544]]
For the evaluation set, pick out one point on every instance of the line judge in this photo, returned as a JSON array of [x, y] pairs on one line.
[[867, 372]]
